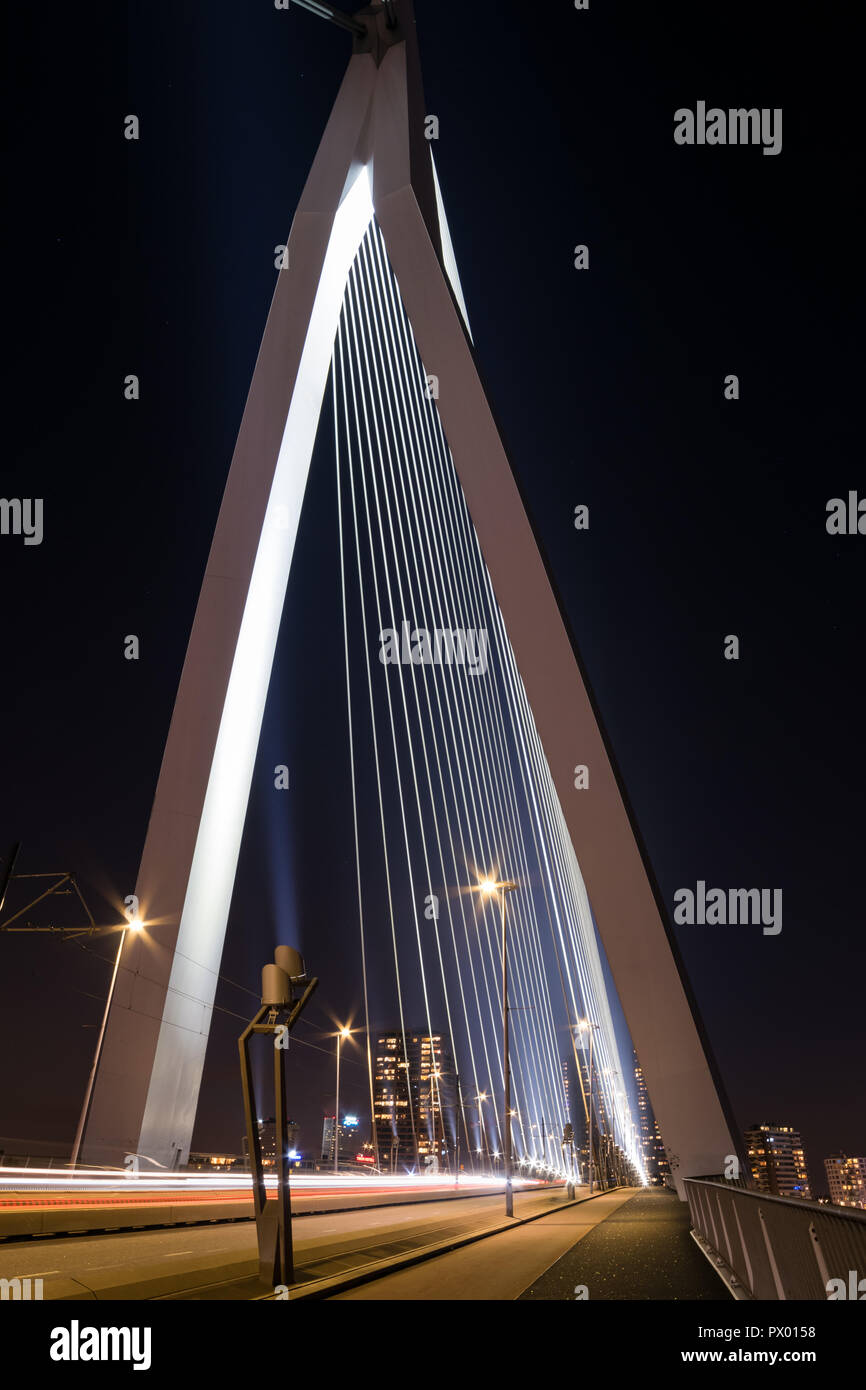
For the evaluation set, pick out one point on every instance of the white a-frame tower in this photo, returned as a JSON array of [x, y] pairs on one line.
[[373, 162]]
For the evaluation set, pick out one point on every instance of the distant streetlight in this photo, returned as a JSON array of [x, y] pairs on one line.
[[434, 1076], [479, 1099], [133, 925], [488, 887], [343, 1033]]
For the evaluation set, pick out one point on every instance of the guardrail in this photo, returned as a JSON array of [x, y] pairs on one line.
[[778, 1247]]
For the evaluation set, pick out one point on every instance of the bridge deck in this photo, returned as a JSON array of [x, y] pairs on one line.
[[643, 1250]]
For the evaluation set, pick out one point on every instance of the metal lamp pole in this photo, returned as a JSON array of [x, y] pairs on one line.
[[489, 887], [509, 1192], [343, 1033], [591, 1171], [134, 925], [458, 1118]]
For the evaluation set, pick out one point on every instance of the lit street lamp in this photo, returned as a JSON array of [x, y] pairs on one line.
[[434, 1076], [343, 1033], [488, 887], [482, 1132], [134, 925]]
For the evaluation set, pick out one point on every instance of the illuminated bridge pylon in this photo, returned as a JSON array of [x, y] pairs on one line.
[[370, 224]]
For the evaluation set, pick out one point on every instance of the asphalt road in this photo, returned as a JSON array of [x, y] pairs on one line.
[[154, 1264], [35, 1212]]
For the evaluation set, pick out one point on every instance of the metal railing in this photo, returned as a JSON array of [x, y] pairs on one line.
[[778, 1247]]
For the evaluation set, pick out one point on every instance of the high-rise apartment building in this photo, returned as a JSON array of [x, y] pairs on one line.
[[414, 1093], [652, 1149], [847, 1180], [778, 1160], [268, 1141], [349, 1138]]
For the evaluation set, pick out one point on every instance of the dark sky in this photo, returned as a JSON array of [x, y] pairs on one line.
[[707, 516]]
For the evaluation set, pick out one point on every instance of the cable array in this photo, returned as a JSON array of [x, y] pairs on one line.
[[449, 780]]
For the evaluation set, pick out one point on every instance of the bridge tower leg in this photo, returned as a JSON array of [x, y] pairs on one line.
[[373, 159]]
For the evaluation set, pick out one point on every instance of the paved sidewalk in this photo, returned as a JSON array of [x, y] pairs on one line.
[[642, 1251], [623, 1245], [499, 1267]]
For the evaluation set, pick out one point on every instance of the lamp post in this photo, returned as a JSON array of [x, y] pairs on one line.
[[134, 925], [458, 1116], [489, 887], [482, 1132], [343, 1033], [434, 1076], [407, 1067], [282, 1005]]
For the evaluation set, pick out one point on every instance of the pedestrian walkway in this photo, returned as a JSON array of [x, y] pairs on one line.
[[641, 1251], [500, 1266], [624, 1244]]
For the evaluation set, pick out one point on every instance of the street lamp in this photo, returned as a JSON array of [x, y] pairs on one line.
[[434, 1076], [483, 1149], [343, 1033], [488, 887], [134, 925], [407, 1067]]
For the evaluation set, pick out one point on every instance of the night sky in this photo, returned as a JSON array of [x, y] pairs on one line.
[[707, 516]]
